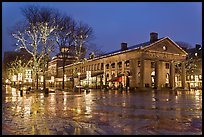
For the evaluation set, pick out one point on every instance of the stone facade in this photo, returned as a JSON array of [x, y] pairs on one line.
[[146, 65]]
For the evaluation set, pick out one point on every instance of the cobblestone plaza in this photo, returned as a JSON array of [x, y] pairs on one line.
[[99, 112]]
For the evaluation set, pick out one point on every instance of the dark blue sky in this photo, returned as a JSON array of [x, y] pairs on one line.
[[116, 22]]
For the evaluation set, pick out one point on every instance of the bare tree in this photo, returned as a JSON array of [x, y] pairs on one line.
[[183, 45], [36, 36], [82, 35], [93, 49]]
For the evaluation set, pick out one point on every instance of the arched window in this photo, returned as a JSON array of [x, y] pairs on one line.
[[113, 65], [107, 66], [167, 78], [152, 77]]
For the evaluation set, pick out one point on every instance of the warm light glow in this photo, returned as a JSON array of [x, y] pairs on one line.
[[196, 54], [200, 76], [19, 76], [14, 78], [52, 79], [7, 80], [28, 75], [41, 78], [164, 47], [65, 77], [29, 80]]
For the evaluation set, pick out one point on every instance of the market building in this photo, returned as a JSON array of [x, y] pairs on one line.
[[147, 65]]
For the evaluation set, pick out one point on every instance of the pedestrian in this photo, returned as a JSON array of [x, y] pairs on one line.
[[189, 86]]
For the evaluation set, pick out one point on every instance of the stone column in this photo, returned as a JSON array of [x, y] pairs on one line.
[[133, 72], [136, 73], [116, 69], [123, 72], [104, 73], [110, 74], [156, 79], [172, 75], [183, 75], [142, 73]]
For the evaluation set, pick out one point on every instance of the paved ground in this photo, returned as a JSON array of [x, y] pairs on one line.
[[102, 113]]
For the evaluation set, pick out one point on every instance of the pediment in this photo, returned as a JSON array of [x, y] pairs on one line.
[[165, 45]]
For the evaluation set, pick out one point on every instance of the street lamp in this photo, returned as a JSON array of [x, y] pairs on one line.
[[64, 51], [79, 81]]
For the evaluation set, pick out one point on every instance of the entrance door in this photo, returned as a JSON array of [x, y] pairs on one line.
[[153, 78]]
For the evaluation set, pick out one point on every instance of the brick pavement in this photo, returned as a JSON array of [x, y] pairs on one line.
[[101, 113]]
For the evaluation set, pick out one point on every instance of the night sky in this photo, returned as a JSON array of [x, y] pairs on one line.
[[116, 22]]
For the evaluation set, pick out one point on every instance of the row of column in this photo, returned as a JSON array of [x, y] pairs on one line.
[[158, 74]]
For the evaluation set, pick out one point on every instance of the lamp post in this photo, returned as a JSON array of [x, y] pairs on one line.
[[64, 51], [79, 81]]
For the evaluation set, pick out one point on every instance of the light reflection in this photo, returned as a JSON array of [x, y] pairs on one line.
[[27, 106], [41, 98], [176, 99], [153, 100], [13, 91], [78, 110], [7, 99], [65, 101], [88, 102], [18, 109], [8, 88], [52, 106], [14, 94], [198, 99]]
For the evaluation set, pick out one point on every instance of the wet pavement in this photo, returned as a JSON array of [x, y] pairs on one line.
[[102, 113]]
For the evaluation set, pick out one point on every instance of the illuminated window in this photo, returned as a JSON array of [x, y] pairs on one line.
[[196, 78], [19, 76], [14, 78], [167, 78], [127, 63], [191, 77], [200, 77], [41, 78], [188, 77]]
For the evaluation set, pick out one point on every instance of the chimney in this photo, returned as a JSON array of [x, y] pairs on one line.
[[197, 46], [153, 37], [124, 46]]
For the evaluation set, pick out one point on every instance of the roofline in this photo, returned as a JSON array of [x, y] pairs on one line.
[[171, 41], [128, 50], [154, 43], [177, 46]]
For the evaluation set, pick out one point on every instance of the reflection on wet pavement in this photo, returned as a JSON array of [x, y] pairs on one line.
[[102, 112]]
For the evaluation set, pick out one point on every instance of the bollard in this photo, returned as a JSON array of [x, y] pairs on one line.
[[21, 92]]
